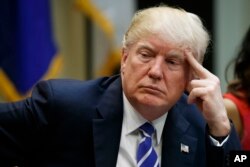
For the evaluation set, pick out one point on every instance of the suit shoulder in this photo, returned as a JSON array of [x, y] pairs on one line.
[[73, 88], [72, 84]]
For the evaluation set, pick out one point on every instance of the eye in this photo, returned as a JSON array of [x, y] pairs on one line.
[[173, 64], [145, 56]]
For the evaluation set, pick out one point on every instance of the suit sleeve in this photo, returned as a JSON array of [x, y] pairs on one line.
[[219, 156], [22, 125]]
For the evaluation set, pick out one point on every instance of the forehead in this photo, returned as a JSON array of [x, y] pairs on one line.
[[154, 44]]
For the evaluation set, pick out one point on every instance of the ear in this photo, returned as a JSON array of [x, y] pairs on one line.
[[124, 58]]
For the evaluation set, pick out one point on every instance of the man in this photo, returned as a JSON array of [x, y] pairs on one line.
[[106, 122]]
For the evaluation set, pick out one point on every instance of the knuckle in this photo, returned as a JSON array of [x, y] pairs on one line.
[[216, 80]]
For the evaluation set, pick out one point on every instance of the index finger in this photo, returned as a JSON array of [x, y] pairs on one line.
[[197, 68]]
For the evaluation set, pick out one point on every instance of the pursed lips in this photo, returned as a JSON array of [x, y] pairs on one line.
[[152, 88]]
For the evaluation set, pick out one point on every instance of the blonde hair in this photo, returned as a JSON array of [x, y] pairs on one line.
[[173, 25]]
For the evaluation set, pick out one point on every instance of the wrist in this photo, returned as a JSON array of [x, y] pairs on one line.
[[220, 128]]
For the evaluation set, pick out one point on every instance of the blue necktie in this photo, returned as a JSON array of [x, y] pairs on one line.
[[146, 155]]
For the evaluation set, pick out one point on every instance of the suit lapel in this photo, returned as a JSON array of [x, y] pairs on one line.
[[107, 129], [107, 132], [178, 151]]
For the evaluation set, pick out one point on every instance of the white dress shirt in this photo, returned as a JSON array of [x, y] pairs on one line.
[[130, 136]]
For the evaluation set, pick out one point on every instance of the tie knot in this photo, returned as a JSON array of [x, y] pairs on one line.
[[147, 129]]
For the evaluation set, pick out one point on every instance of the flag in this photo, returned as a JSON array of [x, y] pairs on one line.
[[111, 18], [184, 148], [28, 50]]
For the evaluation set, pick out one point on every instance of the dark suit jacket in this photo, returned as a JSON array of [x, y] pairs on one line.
[[68, 123]]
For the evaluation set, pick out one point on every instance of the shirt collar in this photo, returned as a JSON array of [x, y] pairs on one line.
[[133, 120]]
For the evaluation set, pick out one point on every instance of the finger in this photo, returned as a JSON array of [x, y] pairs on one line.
[[200, 83], [198, 69], [196, 94], [192, 84]]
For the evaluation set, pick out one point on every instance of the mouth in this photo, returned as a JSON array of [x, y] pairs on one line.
[[152, 89]]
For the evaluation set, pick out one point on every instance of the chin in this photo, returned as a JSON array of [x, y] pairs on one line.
[[152, 101]]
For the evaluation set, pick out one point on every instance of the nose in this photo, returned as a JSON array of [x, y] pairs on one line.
[[156, 69]]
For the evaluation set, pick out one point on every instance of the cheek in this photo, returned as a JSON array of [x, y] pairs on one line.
[[177, 81], [132, 67], [133, 75]]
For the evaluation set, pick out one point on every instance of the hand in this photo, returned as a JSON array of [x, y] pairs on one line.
[[204, 90]]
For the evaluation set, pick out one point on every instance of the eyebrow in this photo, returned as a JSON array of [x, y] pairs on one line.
[[146, 46], [175, 53]]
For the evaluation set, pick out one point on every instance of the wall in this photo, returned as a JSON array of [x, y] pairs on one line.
[[231, 23]]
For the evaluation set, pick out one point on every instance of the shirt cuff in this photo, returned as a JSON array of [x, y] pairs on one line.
[[218, 143]]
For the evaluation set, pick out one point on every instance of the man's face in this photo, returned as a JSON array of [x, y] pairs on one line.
[[154, 73]]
